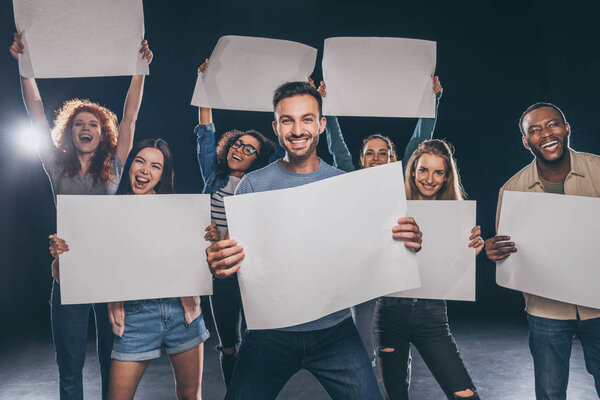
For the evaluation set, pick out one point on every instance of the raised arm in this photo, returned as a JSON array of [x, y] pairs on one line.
[[132, 108], [206, 148], [342, 159], [425, 126], [34, 105]]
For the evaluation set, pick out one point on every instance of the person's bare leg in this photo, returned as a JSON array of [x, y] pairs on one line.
[[124, 378], [187, 368]]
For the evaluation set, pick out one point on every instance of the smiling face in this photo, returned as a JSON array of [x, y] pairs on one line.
[[298, 125], [376, 152], [238, 159], [430, 174], [146, 170], [86, 132], [546, 134]]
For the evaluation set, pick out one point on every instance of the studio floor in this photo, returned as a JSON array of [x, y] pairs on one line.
[[495, 352]]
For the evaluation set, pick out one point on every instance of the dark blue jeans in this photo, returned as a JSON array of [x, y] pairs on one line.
[[335, 356], [70, 332], [550, 343], [228, 313], [397, 323]]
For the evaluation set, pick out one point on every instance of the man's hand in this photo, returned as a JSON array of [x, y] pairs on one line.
[[408, 230], [498, 248], [224, 258]]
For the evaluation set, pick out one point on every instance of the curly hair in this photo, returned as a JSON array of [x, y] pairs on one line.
[[267, 147], [452, 188], [62, 136]]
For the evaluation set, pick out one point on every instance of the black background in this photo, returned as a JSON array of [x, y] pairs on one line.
[[494, 59]]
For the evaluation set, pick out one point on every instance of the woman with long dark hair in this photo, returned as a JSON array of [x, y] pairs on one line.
[[142, 327], [86, 157], [431, 174], [222, 166]]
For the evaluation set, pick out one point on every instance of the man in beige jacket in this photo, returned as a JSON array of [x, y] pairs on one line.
[[552, 324]]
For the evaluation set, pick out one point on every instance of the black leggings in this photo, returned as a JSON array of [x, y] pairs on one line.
[[398, 322], [226, 305]]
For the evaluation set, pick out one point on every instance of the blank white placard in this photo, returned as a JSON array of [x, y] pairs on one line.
[[446, 263], [80, 38], [379, 77], [133, 247], [557, 252], [319, 248], [243, 72]]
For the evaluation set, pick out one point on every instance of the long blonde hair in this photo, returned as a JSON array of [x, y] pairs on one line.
[[452, 188]]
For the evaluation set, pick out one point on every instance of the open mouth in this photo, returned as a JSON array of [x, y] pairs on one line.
[[85, 138], [550, 146], [299, 142], [236, 158], [140, 182]]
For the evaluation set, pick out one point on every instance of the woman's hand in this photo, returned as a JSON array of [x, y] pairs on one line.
[[437, 86], [17, 46], [476, 241], [57, 246], [212, 233], [202, 68], [146, 52], [322, 89]]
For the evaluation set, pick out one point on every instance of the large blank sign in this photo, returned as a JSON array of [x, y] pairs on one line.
[[446, 263], [322, 247], [243, 72], [133, 247], [557, 246], [379, 77], [80, 38]]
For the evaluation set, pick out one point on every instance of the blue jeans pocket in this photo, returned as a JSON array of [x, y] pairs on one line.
[[133, 307]]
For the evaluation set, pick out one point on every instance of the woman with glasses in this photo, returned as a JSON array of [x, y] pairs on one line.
[[223, 165]]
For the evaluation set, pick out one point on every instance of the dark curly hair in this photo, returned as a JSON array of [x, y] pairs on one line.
[[267, 147], [62, 136]]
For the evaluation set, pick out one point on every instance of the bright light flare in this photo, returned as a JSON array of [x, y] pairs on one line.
[[28, 138]]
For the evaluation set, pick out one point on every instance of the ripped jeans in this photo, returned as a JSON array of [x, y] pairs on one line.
[[397, 323]]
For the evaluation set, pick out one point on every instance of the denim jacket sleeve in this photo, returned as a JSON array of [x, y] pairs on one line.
[[342, 159], [423, 131], [277, 154], [207, 150]]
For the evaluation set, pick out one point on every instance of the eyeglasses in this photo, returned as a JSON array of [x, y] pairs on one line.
[[247, 149]]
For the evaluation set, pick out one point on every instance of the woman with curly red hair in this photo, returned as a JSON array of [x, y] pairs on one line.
[[88, 155]]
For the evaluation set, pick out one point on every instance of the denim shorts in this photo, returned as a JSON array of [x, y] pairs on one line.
[[152, 324]]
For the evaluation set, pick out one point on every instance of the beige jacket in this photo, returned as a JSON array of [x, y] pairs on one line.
[[582, 180], [116, 313]]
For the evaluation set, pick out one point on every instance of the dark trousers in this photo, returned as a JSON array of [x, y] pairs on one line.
[[550, 342], [335, 356], [226, 305], [398, 322], [70, 332]]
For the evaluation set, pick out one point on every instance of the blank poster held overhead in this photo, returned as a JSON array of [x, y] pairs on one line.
[[243, 72], [80, 38], [379, 77], [557, 246]]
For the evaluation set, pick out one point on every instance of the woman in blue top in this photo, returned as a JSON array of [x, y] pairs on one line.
[[84, 153], [222, 166]]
